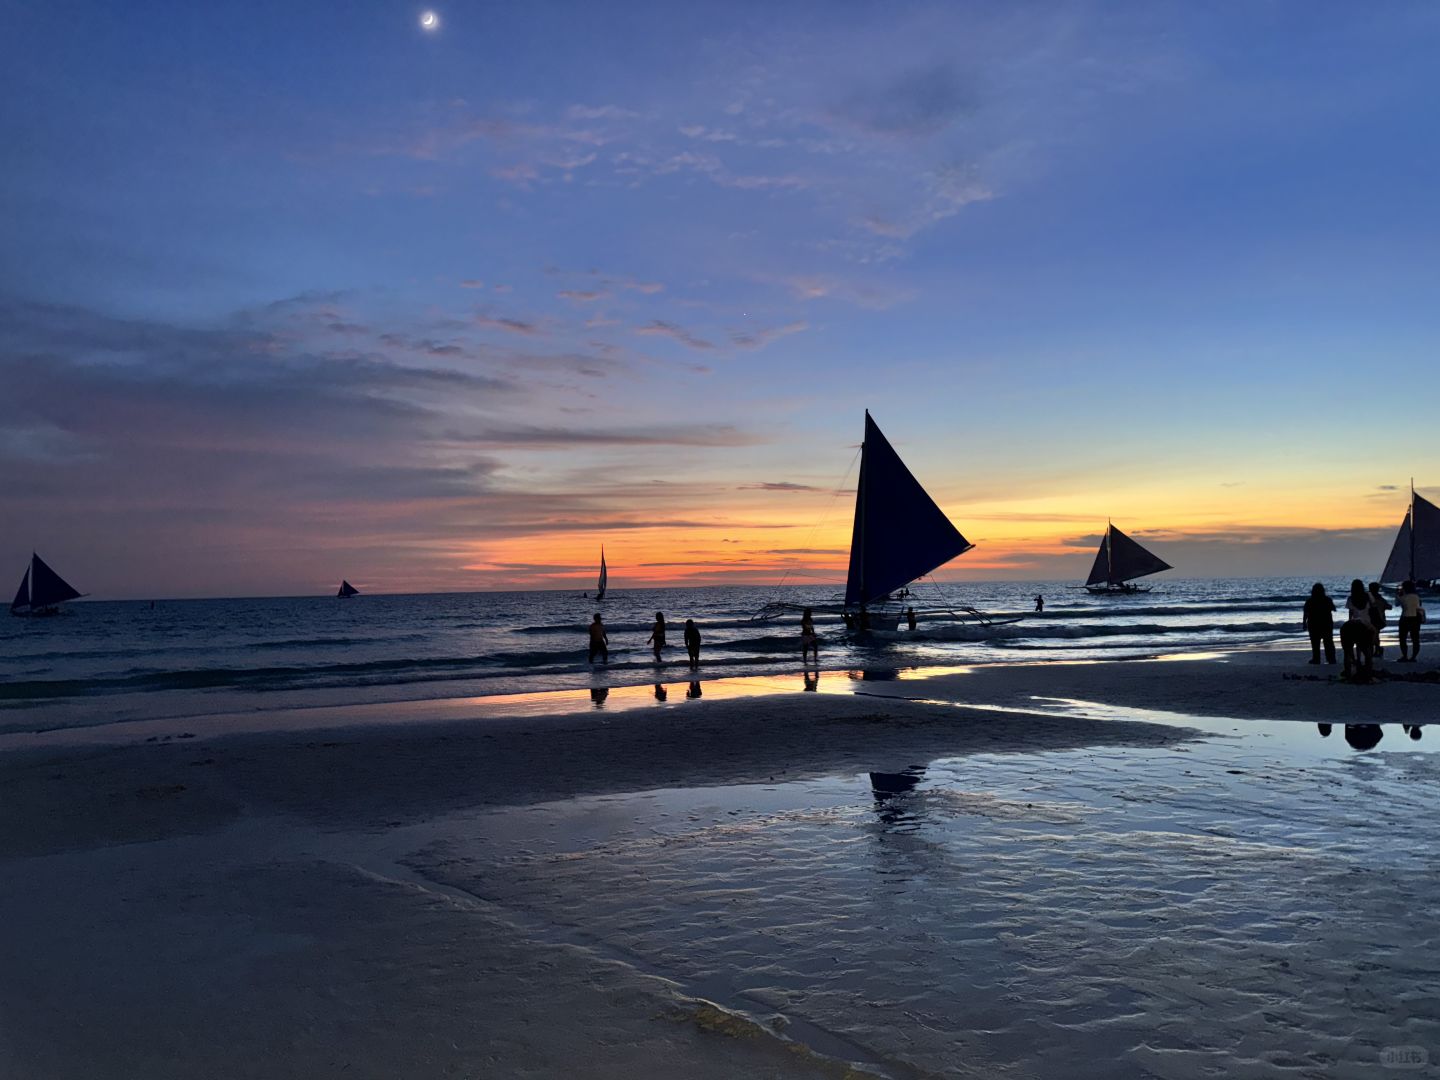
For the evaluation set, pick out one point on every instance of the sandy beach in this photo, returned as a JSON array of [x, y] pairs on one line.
[[1143, 868]]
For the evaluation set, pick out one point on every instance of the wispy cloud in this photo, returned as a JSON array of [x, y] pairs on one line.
[[661, 328]]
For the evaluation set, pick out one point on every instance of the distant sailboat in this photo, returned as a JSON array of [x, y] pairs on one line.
[[604, 576], [1118, 562], [41, 591], [1416, 554], [347, 590]]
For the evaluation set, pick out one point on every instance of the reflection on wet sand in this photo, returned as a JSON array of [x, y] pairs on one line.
[[812, 680], [660, 692], [886, 788], [1363, 736], [598, 694], [694, 690]]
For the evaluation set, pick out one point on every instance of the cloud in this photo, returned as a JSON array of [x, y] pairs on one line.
[[513, 326], [760, 337], [531, 437], [918, 103], [778, 485], [660, 328], [582, 296]]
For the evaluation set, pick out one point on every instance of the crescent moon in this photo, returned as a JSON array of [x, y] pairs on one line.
[[430, 21]]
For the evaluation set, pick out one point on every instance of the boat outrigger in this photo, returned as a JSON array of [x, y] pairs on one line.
[[1118, 562], [42, 590], [898, 537]]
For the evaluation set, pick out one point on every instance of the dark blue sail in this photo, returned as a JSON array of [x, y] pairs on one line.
[[900, 534], [347, 590], [1121, 559], [1416, 554], [47, 588], [22, 597]]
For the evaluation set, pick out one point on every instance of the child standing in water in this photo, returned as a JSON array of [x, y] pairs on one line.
[[692, 642], [657, 635], [599, 641], [809, 641]]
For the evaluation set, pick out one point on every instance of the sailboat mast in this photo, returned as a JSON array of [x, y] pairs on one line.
[[861, 495], [1412, 529]]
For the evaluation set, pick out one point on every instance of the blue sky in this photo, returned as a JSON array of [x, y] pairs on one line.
[[291, 292]]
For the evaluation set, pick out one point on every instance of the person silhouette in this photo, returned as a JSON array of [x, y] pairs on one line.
[[809, 640], [1318, 620], [1357, 636], [910, 617], [657, 635], [599, 641], [1039, 602], [1378, 606], [1363, 736], [692, 642], [1410, 615]]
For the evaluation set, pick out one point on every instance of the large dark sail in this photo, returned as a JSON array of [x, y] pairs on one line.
[[47, 588], [22, 597], [1120, 559], [900, 534], [1416, 554], [347, 590]]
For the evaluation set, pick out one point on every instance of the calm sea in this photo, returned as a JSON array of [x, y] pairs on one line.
[[107, 661]]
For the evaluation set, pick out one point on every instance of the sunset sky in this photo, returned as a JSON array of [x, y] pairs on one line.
[[295, 291]]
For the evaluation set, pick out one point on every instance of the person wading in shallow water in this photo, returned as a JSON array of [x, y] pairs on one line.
[[692, 642], [1319, 620], [599, 641], [809, 640], [1039, 602], [657, 635]]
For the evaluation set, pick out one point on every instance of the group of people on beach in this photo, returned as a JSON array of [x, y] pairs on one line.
[[1360, 634], [600, 639]]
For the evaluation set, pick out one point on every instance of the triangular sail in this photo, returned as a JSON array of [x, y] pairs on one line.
[[22, 598], [604, 576], [346, 589], [1121, 559], [1426, 541], [899, 534], [47, 588], [1397, 567], [1416, 554]]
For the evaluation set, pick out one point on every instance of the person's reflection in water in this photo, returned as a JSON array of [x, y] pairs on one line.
[[660, 694], [1363, 736], [812, 680], [1413, 730], [1324, 730], [598, 694], [693, 691], [887, 789]]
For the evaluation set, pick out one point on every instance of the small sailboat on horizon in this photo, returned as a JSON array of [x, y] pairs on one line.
[[1415, 555], [347, 590], [42, 590], [604, 576], [1118, 562]]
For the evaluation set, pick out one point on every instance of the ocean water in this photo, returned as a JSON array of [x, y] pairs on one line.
[[104, 661]]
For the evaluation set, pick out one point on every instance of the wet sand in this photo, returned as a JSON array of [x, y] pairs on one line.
[[712, 887]]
